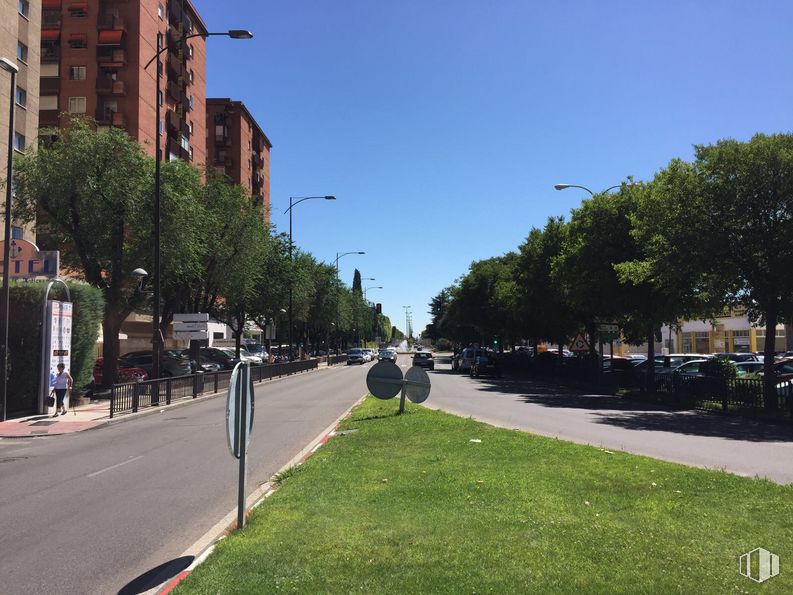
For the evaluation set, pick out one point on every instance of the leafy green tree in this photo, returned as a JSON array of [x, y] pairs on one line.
[[542, 311], [747, 189], [93, 194]]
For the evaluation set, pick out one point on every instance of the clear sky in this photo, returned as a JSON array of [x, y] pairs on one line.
[[442, 125]]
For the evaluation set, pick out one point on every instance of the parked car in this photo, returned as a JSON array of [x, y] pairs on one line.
[[737, 357], [424, 360], [467, 357], [485, 364], [169, 365], [257, 349], [369, 354], [356, 356], [244, 355], [386, 355], [690, 368], [125, 374], [220, 357], [746, 368], [205, 363]]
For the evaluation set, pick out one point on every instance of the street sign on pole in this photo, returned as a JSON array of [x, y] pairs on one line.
[[189, 335], [385, 381], [579, 344], [191, 317], [239, 426]]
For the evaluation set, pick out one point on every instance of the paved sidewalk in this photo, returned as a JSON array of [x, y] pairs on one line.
[[82, 418]]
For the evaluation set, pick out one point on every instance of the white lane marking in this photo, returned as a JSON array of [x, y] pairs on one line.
[[95, 473]]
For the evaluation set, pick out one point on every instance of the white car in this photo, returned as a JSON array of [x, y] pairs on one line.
[[244, 356]]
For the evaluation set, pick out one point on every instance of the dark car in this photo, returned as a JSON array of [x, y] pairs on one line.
[[169, 365], [220, 357], [485, 364], [206, 364], [423, 359], [355, 356]]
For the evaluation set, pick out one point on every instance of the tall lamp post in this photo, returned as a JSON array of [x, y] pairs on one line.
[[156, 336], [293, 202], [600, 354], [13, 69], [338, 256], [407, 321]]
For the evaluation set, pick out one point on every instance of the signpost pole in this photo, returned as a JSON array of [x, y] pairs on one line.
[[402, 400], [242, 409]]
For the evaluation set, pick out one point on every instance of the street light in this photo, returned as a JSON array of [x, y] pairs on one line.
[[156, 337], [368, 288], [563, 187], [338, 256], [12, 69], [291, 264]]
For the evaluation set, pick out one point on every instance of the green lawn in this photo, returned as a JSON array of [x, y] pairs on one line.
[[408, 504]]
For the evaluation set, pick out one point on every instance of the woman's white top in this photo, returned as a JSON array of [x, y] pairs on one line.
[[62, 380]]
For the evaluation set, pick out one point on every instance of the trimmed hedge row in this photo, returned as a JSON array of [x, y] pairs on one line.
[[24, 339]]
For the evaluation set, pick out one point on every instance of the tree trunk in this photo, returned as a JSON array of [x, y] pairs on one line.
[[110, 348], [650, 379], [769, 349]]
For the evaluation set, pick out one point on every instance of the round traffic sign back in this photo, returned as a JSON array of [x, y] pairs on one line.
[[417, 383], [384, 380]]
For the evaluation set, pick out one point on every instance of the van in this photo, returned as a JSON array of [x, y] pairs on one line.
[[467, 357]]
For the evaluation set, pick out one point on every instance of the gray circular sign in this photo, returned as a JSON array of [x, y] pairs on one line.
[[417, 387], [384, 380]]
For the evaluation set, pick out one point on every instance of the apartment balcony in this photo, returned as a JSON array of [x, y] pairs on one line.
[[107, 86], [48, 118], [175, 67], [107, 117], [111, 22], [111, 58], [49, 85]]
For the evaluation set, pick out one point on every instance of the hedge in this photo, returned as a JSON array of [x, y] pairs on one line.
[[24, 339]]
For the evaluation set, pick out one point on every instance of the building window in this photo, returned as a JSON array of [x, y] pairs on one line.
[[77, 73], [48, 102], [24, 8], [161, 11], [19, 142], [189, 50], [78, 41], [191, 153], [76, 105], [22, 52], [191, 76], [172, 157], [190, 127], [185, 142], [192, 102], [159, 97], [79, 9], [21, 97], [16, 233]]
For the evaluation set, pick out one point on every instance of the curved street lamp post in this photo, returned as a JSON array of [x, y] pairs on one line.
[[297, 200], [156, 338]]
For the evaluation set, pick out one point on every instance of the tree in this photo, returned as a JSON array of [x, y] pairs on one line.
[[747, 189], [94, 194], [542, 310]]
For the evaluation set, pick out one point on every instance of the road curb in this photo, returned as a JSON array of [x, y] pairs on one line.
[[201, 549]]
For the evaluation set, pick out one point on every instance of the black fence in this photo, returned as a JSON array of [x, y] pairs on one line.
[[734, 394], [129, 397]]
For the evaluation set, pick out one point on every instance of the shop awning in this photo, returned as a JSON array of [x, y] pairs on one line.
[[50, 34], [51, 3], [83, 6], [110, 38]]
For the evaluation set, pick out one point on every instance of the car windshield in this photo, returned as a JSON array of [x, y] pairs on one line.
[[422, 355]]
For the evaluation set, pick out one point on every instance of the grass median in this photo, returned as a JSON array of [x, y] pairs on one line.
[[428, 502]]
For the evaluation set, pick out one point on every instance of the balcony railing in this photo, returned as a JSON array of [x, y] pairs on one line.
[[111, 58], [112, 22], [108, 86]]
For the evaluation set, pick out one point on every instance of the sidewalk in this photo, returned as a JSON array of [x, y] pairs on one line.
[[82, 418]]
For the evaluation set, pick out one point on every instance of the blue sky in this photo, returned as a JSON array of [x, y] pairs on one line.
[[442, 125]]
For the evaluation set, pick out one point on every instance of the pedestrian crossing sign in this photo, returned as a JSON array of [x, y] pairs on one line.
[[579, 344]]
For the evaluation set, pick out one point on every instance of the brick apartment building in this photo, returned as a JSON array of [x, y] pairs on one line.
[[93, 55], [20, 25], [238, 148]]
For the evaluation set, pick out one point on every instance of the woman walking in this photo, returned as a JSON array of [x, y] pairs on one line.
[[63, 382]]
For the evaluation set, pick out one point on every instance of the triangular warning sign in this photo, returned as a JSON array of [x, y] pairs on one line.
[[579, 344]]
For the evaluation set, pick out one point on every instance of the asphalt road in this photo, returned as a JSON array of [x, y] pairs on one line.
[[738, 445], [96, 511]]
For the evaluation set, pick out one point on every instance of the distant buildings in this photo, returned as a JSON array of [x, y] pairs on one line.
[[20, 30], [238, 148]]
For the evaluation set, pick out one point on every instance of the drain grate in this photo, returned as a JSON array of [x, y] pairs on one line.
[[43, 423]]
